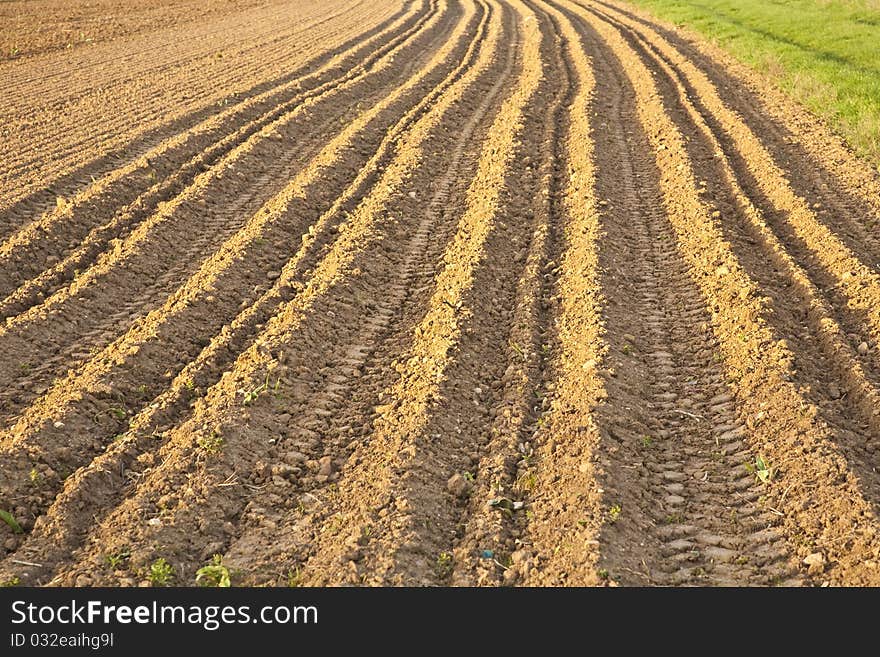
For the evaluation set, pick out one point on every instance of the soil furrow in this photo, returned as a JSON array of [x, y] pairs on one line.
[[87, 314], [153, 340], [288, 327], [848, 401], [428, 292], [821, 168], [329, 270], [819, 250], [810, 478], [683, 438], [386, 474], [572, 388], [489, 549], [854, 391], [130, 194], [70, 145]]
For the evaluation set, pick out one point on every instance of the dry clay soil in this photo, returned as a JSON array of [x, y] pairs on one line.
[[430, 292]]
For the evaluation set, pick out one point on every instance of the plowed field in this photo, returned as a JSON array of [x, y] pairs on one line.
[[430, 292]]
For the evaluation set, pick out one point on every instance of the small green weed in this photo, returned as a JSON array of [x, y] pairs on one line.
[[161, 572], [215, 574], [444, 565], [10, 520], [763, 472], [212, 444], [116, 559], [614, 513]]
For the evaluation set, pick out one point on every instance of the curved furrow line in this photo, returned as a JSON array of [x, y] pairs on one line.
[[174, 163], [153, 97], [336, 419], [159, 54], [268, 34], [199, 374], [525, 388], [796, 220], [134, 137], [86, 313], [842, 328], [387, 469], [860, 385], [220, 407], [354, 235], [822, 505], [590, 522], [848, 400], [676, 484], [535, 477], [90, 390], [824, 170]]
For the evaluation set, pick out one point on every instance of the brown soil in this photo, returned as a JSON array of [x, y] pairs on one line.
[[32, 27], [428, 292]]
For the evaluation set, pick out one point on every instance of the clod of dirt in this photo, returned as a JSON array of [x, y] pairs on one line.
[[815, 562], [458, 486], [325, 466], [862, 348]]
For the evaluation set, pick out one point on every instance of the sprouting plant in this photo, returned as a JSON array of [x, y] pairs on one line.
[[647, 441], [190, 385], [212, 444], [214, 574], [627, 349], [526, 482], [12, 581], [468, 476], [115, 559], [34, 476], [763, 472], [614, 513], [117, 412], [444, 564], [294, 577], [10, 520], [161, 572], [250, 396], [603, 573]]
